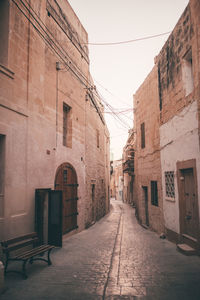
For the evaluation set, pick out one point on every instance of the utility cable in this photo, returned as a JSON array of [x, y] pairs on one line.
[[56, 49], [48, 40], [129, 41]]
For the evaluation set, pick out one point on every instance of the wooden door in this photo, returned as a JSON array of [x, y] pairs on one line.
[[190, 205], [66, 181], [48, 216], [41, 214], [55, 218]]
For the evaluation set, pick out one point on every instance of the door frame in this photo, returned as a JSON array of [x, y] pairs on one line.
[[182, 165], [60, 167], [146, 203]]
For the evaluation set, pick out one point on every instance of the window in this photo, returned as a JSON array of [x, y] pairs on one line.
[[169, 184], [187, 73], [2, 172], [4, 30], [154, 193], [97, 138], [142, 135], [67, 126]]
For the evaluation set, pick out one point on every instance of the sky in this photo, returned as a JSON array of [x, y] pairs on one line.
[[119, 70]]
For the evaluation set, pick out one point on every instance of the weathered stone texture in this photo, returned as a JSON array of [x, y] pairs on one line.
[[147, 159], [168, 102], [33, 90], [172, 91]]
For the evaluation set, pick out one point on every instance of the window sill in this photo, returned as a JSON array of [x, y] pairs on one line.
[[170, 199], [6, 71]]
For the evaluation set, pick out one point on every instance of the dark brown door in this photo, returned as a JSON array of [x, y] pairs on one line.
[[48, 216], [66, 181], [190, 206], [41, 214], [55, 218]]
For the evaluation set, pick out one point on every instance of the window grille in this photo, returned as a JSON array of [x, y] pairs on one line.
[[169, 184]]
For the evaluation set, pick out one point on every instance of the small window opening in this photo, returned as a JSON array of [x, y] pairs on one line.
[[143, 135], [154, 193], [4, 31], [187, 73], [67, 126], [98, 138], [2, 173]]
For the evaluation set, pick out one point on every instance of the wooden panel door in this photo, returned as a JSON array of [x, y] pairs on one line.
[[66, 181], [41, 214], [48, 216], [190, 205], [55, 218]]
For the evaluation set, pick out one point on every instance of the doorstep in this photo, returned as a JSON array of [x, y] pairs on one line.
[[186, 249]]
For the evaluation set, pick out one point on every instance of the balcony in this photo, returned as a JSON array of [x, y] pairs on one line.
[[128, 166]]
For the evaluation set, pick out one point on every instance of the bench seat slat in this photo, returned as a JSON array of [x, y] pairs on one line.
[[33, 252], [20, 244], [19, 239]]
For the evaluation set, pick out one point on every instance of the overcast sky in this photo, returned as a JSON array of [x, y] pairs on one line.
[[119, 70]]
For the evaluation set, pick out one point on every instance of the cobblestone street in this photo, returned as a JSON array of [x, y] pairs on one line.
[[114, 259]]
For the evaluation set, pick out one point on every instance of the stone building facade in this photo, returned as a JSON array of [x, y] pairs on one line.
[[147, 169], [179, 103], [167, 125], [116, 181], [52, 129], [128, 168]]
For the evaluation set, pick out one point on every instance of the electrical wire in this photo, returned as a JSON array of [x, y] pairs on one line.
[[69, 28], [129, 41], [109, 91], [120, 112], [59, 52], [114, 113]]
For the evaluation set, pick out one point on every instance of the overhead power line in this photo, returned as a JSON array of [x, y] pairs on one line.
[[54, 45], [129, 41]]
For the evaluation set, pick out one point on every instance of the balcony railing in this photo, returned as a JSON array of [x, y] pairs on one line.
[[128, 166]]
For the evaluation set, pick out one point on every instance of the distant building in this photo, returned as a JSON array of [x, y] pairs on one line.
[[116, 181], [128, 168], [53, 134]]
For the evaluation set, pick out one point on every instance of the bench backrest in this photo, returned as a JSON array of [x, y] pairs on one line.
[[19, 242]]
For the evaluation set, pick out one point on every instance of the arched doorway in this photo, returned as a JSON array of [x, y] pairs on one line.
[[66, 181]]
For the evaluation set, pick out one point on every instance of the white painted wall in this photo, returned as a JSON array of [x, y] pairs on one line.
[[179, 141]]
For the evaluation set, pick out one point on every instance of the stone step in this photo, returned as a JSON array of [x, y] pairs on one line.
[[186, 249]]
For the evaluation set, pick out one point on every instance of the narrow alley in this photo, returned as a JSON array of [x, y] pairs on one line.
[[114, 259]]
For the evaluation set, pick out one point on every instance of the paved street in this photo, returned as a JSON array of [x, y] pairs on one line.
[[114, 259]]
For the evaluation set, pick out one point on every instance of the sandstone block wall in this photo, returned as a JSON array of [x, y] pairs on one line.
[[47, 67], [147, 159]]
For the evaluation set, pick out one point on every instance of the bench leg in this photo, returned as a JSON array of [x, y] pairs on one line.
[[49, 260], [5, 267], [24, 270], [6, 264], [31, 261]]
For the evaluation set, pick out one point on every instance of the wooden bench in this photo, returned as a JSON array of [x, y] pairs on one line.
[[16, 249]]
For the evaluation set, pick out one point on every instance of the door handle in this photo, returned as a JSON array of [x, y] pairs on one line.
[[188, 217]]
